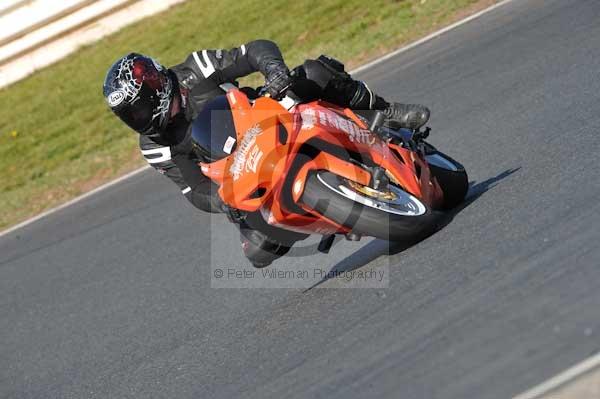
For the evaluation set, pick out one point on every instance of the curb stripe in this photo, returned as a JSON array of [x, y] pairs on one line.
[[558, 380]]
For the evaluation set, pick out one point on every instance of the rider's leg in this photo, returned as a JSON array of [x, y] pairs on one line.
[[260, 250], [263, 243], [338, 87], [204, 196]]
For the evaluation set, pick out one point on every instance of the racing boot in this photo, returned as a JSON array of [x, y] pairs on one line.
[[340, 88], [408, 116], [259, 249]]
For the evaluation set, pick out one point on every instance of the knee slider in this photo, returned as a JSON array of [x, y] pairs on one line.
[[318, 73], [332, 63], [259, 249], [324, 70]]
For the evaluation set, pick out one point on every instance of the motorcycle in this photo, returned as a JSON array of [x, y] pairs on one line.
[[316, 168]]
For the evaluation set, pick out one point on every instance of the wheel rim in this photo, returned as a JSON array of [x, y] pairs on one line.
[[393, 200]]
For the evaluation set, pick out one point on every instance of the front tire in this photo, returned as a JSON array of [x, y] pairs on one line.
[[450, 175], [400, 217]]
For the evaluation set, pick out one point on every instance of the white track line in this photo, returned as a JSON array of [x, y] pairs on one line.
[[359, 69], [74, 200], [431, 36], [562, 378]]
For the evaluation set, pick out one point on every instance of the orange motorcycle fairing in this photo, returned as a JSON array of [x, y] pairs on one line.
[[341, 127], [247, 177], [270, 138]]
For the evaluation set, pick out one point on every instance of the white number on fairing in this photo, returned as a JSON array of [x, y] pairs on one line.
[[241, 154], [253, 159]]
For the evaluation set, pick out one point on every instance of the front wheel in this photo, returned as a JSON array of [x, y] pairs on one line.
[[450, 175], [392, 214]]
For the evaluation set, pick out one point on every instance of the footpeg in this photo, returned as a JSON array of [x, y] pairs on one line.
[[326, 243], [421, 135], [353, 237]]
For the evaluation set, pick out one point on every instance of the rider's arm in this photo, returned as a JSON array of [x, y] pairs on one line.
[[223, 66], [184, 172]]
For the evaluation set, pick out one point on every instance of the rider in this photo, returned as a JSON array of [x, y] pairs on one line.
[[159, 103]]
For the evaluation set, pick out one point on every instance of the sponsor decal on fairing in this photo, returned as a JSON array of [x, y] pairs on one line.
[[228, 145], [310, 118]]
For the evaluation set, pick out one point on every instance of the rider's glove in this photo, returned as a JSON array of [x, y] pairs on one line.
[[277, 80]]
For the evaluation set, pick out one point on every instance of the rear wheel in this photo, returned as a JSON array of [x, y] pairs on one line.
[[391, 214]]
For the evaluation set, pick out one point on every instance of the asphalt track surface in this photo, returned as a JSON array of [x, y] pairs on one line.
[[111, 297]]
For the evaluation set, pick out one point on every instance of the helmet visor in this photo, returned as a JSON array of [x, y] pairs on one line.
[[138, 114]]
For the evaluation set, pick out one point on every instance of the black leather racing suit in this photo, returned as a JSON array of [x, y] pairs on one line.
[[199, 78]]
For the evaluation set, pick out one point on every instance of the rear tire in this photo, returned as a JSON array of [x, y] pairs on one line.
[[406, 219]]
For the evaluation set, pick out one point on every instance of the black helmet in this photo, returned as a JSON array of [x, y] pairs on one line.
[[140, 91]]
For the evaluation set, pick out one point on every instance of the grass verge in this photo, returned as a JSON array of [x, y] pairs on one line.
[[59, 140]]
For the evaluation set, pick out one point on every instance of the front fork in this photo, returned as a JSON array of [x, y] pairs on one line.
[[379, 178]]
